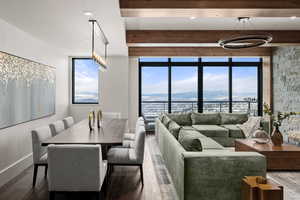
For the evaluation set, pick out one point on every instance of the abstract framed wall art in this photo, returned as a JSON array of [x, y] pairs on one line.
[[27, 90]]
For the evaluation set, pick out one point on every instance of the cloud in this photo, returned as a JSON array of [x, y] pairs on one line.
[[84, 81]]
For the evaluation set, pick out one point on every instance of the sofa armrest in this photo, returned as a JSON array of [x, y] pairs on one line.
[[208, 175]]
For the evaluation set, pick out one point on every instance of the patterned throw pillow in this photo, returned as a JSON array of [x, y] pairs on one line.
[[250, 126]]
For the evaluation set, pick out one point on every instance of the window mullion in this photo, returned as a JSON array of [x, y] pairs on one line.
[[169, 85], [230, 85]]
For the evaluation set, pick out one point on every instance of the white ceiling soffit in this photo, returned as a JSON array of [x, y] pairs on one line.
[[62, 23], [169, 23]]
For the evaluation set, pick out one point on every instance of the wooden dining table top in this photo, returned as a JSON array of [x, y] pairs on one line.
[[110, 133]]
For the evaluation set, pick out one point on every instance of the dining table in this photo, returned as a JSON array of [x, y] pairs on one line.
[[110, 133]]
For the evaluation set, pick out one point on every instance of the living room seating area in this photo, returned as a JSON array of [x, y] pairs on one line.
[[205, 170]]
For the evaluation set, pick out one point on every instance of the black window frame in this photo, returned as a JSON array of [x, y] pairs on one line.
[[230, 64], [73, 82]]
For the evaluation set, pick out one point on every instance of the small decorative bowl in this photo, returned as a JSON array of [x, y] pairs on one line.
[[261, 140]]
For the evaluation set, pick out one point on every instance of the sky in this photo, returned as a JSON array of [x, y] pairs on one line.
[[86, 80], [184, 79]]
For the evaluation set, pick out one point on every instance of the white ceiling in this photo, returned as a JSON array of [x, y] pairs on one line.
[[62, 23], [172, 23]]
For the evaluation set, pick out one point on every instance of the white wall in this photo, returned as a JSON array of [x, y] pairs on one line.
[[113, 90], [15, 142], [133, 91]]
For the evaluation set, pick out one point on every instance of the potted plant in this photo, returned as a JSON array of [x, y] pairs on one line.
[[277, 118]]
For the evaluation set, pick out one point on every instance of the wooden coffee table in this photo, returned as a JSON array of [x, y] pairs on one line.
[[286, 157]]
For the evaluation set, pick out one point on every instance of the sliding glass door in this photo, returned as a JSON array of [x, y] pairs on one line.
[[200, 84]]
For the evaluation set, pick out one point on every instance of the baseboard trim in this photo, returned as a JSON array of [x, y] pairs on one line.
[[15, 169]]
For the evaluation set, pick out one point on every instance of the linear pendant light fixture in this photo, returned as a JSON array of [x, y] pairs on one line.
[[100, 60], [245, 41]]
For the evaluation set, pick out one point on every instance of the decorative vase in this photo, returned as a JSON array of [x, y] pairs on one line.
[[277, 138], [90, 122], [99, 118], [94, 117]]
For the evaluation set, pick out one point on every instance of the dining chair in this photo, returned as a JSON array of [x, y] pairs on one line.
[[68, 122], [129, 156], [111, 115], [39, 152], [128, 139], [57, 127], [75, 168]]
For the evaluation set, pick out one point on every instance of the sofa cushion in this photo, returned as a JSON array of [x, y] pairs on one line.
[[225, 141], [206, 118], [233, 118], [212, 130], [190, 131], [189, 140], [210, 144], [174, 128], [183, 119], [234, 131], [166, 120]]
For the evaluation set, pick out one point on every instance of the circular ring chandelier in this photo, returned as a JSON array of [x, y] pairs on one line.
[[247, 41]]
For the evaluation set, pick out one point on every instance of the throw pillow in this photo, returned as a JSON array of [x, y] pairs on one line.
[[206, 118], [174, 129], [189, 140], [233, 118], [251, 125], [161, 116], [183, 119], [166, 120]]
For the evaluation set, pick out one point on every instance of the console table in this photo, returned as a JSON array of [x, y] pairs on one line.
[[285, 157]]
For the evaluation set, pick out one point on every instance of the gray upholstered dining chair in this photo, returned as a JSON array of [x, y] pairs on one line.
[[68, 122], [129, 156], [39, 152], [75, 168], [128, 139], [57, 127]]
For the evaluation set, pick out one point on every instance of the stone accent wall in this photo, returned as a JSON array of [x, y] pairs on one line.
[[286, 86]]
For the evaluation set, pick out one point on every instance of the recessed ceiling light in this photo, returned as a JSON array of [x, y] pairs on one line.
[[87, 13], [192, 18], [293, 17]]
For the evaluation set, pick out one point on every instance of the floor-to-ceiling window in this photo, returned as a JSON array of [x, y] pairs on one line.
[[204, 84]]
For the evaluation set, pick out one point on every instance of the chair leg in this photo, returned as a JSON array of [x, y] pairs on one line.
[[35, 170], [46, 170], [142, 175], [51, 195]]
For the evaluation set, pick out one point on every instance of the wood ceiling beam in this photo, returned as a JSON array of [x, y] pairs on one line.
[[136, 37], [196, 51], [209, 8]]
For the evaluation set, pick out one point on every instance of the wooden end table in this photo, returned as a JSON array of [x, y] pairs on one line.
[[285, 157]]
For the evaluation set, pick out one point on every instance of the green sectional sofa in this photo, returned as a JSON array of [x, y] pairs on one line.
[[205, 169]]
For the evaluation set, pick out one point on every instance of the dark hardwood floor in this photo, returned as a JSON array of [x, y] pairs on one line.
[[125, 182]]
